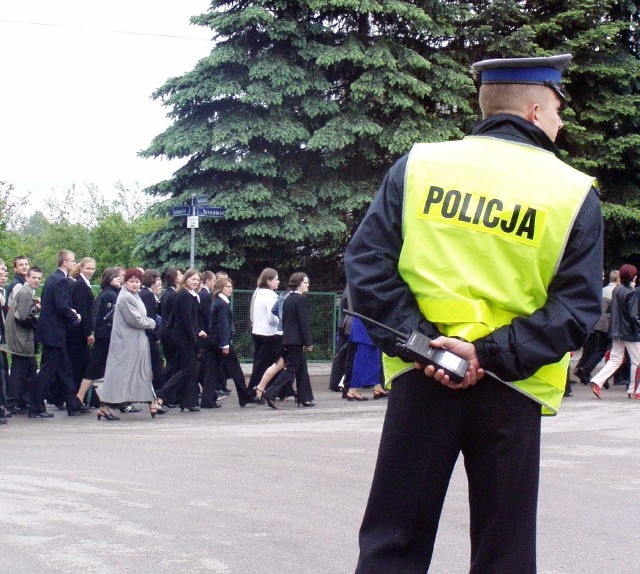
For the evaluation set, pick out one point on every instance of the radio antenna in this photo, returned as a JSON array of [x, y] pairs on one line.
[[403, 336]]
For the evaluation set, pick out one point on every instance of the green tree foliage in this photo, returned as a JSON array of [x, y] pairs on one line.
[[10, 219], [292, 120], [84, 222]]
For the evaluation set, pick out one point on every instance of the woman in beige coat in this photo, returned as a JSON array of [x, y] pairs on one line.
[[128, 375]]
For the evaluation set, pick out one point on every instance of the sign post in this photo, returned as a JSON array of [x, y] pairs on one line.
[[193, 212]]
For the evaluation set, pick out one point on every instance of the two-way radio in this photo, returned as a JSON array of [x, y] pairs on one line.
[[417, 347]]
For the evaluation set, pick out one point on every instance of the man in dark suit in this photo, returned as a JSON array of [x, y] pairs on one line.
[[51, 332]]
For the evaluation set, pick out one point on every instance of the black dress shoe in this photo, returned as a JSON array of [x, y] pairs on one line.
[[584, 379], [3, 420], [41, 415], [76, 413]]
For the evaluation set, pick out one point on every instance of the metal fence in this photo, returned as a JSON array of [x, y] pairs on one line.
[[322, 317], [323, 312]]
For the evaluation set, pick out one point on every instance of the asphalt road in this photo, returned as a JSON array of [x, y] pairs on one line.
[[259, 491]]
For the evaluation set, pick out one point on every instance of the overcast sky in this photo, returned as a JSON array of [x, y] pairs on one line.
[[76, 78]]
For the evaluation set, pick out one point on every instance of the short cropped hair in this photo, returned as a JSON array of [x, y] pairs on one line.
[[511, 98], [63, 255]]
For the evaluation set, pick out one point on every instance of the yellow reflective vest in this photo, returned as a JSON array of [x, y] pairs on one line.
[[481, 244]]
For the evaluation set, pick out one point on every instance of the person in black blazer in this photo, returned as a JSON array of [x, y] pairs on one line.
[[80, 335], [296, 339], [51, 333], [172, 278], [225, 360], [151, 287], [102, 321], [207, 364], [184, 330]]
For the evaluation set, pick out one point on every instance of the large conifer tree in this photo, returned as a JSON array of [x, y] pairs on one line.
[[291, 121]]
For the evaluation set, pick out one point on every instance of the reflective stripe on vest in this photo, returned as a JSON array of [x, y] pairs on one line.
[[475, 235]]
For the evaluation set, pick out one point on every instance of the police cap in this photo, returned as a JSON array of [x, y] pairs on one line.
[[543, 71]]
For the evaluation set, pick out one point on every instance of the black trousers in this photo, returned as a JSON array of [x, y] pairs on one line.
[[591, 356], [427, 425], [295, 368], [156, 361], [22, 381], [183, 383], [54, 363], [210, 376], [229, 366], [170, 355], [342, 365]]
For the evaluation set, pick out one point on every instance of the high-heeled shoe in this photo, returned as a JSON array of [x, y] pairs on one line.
[[259, 395], [306, 403], [107, 416], [380, 394], [155, 408], [352, 397], [190, 409], [271, 403]]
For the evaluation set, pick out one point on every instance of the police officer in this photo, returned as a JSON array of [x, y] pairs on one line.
[[492, 246]]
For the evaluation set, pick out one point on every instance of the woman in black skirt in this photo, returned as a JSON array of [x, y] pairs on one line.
[[103, 308]]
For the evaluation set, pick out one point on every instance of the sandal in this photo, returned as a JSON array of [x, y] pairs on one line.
[[380, 394], [260, 397], [155, 408], [353, 397]]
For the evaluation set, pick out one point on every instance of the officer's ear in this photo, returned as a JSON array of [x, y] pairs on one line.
[[532, 113]]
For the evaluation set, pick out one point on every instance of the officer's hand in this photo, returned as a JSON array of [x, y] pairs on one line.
[[462, 349]]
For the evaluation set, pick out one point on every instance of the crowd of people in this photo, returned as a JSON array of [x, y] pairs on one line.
[[168, 348]]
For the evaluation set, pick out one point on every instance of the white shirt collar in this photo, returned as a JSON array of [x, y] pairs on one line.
[[223, 296]]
